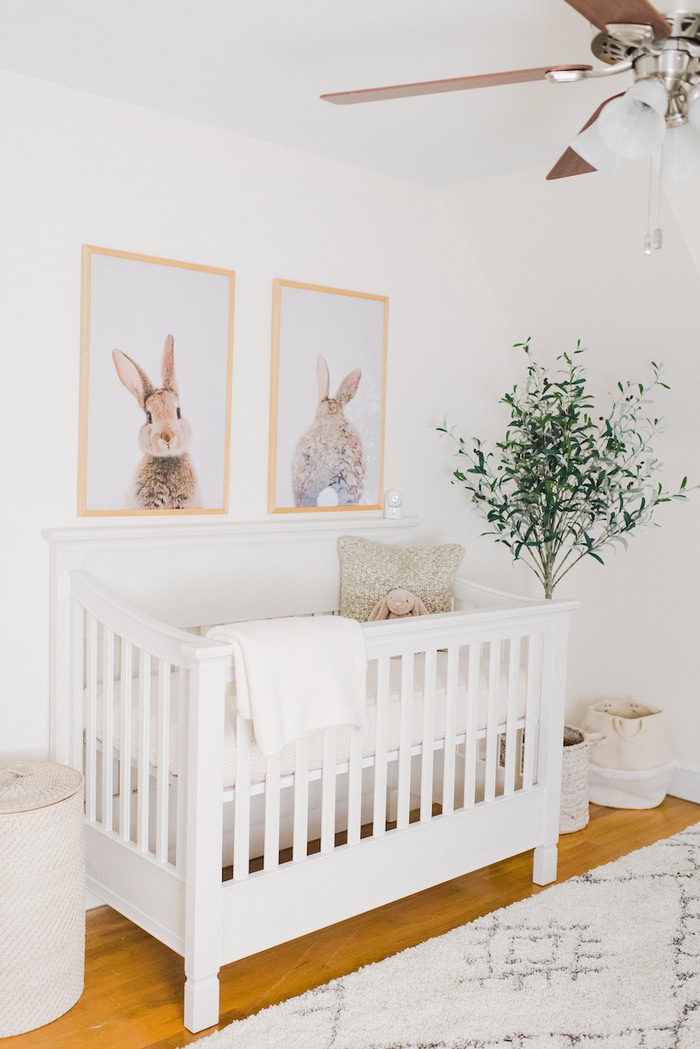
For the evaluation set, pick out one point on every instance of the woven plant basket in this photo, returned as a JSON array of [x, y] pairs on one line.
[[574, 814], [42, 893]]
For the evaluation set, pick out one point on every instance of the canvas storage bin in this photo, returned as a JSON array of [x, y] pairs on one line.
[[633, 766], [42, 893]]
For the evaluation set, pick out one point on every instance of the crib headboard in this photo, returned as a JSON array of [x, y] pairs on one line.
[[190, 574]]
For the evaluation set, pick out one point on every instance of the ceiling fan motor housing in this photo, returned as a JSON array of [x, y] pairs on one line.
[[675, 61]]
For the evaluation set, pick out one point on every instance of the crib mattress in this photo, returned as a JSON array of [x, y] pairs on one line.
[[288, 756]]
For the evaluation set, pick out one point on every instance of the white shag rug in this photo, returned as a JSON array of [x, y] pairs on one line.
[[608, 960]]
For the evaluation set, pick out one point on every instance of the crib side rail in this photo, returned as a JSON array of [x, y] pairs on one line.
[[469, 624], [478, 697], [163, 641], [147, 707]]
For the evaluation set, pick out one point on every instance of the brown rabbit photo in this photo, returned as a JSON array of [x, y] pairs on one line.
[[142, 449], [165, 478]]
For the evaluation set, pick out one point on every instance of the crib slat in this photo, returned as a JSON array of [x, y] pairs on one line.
[[78, 681], [471, 741], [91, 786], [328, 790], [183, 684], [163, 763], [406, 722], [511, 715], [107, 726], [427, 750], [301, 801], [125, 723], [241, 803], [271, 845], [355, 786], [535, 644], [143, 752], [449, 752], [492, 720], [380, 749]]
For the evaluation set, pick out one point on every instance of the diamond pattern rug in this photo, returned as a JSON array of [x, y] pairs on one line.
[[608, 960]]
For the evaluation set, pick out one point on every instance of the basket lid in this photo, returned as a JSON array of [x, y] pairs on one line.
[[26, 785]]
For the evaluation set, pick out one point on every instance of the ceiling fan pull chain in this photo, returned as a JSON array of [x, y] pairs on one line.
[[647, 236], [658, 236], [654, 241]]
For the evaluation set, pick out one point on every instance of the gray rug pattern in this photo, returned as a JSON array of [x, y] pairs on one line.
[[608, 960]]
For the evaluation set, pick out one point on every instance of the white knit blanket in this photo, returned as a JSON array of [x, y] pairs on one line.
[[297, 675]]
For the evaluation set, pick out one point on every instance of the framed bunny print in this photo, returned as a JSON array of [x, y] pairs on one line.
[[155, 398], [328, 390]]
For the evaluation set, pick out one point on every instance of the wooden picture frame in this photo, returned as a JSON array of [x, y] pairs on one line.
[[327, 401], [155, 387]]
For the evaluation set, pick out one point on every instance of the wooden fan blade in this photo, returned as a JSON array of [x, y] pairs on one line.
[[434, 87], [570, 163], [624, 12]]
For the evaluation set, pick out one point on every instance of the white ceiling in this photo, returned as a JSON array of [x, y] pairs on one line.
[[257, 67]]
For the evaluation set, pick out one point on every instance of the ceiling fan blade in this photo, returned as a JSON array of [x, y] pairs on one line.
[[434, 87], [623, 12], [570, 163]]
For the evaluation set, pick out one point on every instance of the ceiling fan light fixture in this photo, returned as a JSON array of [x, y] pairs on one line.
[[680, 161], [590, 146], [650, 92], [634, 125]]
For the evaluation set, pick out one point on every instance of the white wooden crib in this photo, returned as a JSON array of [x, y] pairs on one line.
[[459, 764]]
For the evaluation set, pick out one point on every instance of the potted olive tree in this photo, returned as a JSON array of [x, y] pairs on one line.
[[567, 480]]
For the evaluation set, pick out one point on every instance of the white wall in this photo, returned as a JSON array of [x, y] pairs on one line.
[[467, 273]]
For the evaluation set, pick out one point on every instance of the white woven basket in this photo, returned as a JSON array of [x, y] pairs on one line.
[[42, 893], [574, 814]]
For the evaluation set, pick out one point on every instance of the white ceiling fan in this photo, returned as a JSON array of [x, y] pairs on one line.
[[663, 53]]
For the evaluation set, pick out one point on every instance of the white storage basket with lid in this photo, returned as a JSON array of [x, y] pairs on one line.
[[42, 893]]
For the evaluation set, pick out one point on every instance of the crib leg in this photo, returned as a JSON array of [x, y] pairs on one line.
[[201, 1003], [544, 868]]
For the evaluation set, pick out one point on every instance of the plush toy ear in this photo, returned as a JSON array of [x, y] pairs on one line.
[[419, 608], [380, 610]]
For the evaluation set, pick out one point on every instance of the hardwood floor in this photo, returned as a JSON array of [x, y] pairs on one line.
[[133, 985]]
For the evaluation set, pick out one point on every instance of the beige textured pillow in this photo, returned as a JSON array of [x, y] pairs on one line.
[[368, 571]]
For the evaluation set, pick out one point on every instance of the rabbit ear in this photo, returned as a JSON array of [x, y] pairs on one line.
[[323, 378], [168, 365], [419, 608], [380, 610], [348, 387], [133, 377]]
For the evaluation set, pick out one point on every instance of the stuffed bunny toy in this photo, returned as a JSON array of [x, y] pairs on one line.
[[330, 455], [165, 479], [398, 604]]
